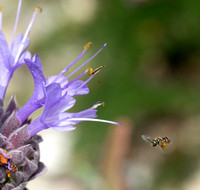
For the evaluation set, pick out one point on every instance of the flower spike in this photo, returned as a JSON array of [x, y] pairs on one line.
[[19, 139]]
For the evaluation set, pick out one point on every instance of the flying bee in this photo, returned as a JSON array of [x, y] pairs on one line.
[[162, 142]]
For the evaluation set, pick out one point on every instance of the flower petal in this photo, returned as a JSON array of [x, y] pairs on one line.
[[53, 95], [38, 97], [4, 52], [17, 42], [63, 128], [63, 105], [72, 89]]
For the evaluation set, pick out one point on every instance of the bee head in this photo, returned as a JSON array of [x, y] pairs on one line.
[[166, 139]]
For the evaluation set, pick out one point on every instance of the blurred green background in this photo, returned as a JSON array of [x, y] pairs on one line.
[[150, 84]]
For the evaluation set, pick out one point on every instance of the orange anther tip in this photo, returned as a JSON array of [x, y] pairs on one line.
[[90, 70], [39, 9], [0, 9], [87, 45], [95, 71]]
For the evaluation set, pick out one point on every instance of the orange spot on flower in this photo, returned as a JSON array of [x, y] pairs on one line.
[[6, 162]]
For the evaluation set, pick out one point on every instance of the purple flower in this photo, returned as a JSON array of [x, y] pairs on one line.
[[12, 56], [54, 115], [19, 142], [19, 154], [56, 94]]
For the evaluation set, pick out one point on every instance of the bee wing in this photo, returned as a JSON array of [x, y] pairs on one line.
[[146, 138]]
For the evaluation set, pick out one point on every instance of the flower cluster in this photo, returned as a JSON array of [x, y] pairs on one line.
[[19, 149]]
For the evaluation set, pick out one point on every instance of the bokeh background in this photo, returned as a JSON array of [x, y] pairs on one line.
[[151, 84]]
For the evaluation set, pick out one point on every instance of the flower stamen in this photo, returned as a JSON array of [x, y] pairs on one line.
[[16, 20], [73, 62], [94, 72], [36, 10], [0, 18], [87, 60], [92, 119], [75, 79]]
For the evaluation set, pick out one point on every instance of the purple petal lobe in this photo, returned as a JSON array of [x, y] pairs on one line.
[[38, 98], [72, 89], [4, 52], [17, 42], [63, 105], [5, 71], [54, 93]]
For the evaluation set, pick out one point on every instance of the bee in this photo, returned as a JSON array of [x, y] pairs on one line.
[[162, 142]]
